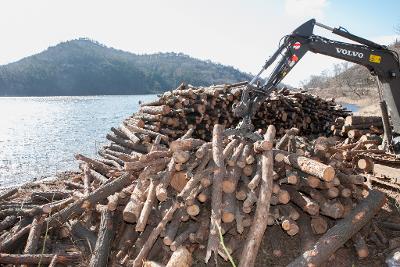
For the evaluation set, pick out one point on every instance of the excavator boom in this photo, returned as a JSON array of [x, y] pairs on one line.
[[378, 59]]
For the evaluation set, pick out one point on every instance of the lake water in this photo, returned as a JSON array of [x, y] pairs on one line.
[[351, 107], [40, 135]]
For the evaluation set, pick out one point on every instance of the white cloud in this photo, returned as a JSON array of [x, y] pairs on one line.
[[305, 8]]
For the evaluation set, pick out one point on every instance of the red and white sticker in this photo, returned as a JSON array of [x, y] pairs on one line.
[[296, 45]]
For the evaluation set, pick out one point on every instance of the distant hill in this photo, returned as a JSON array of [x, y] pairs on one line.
[[86, 67]]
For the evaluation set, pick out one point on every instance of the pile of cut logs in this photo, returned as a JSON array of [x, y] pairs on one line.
[[200, 108], [162, 193], [364, 148], [356, 126]]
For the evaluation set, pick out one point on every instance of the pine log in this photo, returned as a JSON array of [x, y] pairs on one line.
[[100, 193], [228, 150], [236, 154], [182, 237], [185, 144], [62, 258], [134, 207], [354, 120], [254, 182], [256, 233], [307, 165], [283, 142], [93, 164], [344, 229], [172, 229], [145, 249], [8, 193], [203, 150], [49, 196], [155, 110], [365, 164], [204, 195], [231, 179], [11, 240], [307, 236], [161, 189], [305, 203], [34, 235], [103, 244], [244, 157], [216, 195], [319, 225], [147, 207], [180, 258], [129, 133], [360, 245], [228, 207], [8, 222], [80, 231]]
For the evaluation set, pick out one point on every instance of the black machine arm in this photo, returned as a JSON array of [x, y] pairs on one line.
[[378, 59]]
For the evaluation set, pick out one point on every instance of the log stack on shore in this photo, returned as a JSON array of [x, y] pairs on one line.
[[171, 188]]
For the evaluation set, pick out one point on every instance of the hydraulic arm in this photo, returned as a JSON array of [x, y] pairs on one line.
[[379, 60]]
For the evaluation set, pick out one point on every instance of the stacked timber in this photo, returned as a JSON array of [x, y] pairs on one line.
[[171, 184], [200, 108], [363, 149], [356, 126]]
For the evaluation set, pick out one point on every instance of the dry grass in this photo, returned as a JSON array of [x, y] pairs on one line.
[[368, 104]]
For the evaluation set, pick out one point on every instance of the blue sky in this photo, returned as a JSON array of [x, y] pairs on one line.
[[233, 32]]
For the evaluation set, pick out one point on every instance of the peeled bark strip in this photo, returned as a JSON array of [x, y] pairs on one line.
[[342, 231], [104, 239], [256, 233], [216, 195], [180, 258], [64, 258]]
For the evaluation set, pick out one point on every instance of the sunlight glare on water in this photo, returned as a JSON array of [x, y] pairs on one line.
[[40, 135]]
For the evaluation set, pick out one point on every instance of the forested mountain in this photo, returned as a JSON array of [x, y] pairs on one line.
[[85, 67]]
